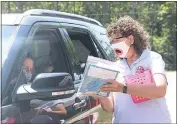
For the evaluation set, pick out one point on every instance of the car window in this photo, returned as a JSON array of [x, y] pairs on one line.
[[7, 33], [79, 46], [47, 52], [12, 65], [47, 55], [83, 46], [101, 35], [97, 49], [12, 84]]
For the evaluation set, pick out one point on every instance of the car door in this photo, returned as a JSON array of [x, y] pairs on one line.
[[46, 45], [83, 45], [82, 102]]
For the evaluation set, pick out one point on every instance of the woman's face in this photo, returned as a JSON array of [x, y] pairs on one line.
[[121, 45]]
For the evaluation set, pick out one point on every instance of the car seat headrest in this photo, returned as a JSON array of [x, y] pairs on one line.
[[41, 48], [41, 54]]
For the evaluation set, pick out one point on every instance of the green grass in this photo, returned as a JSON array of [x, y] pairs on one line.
[[104, 117], [171, 71]]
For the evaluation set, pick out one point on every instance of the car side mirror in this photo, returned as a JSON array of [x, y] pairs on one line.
[[49, 86], [51, 80]]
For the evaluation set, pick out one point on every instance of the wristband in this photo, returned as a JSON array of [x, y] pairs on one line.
[[124, 89]]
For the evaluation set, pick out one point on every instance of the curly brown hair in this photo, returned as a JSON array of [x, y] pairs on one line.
[[128, 26]]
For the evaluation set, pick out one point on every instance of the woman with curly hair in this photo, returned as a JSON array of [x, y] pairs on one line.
[[138, 94]]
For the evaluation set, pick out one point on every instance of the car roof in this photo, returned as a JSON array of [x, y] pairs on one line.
[[11, 19], [50, 15]]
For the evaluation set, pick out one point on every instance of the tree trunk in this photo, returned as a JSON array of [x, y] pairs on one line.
[[8, 7], [57, 8], [20, 6], [105, 10]]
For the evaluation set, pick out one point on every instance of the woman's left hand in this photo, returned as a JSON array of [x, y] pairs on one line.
[[114, 86]]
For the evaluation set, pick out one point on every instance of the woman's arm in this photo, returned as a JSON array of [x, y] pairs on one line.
[[152, 90], [156, 89], [107, 103]]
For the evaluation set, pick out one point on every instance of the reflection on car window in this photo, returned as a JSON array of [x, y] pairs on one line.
[[79, 46], [98, 51], [82, 47], [100, 34], [7, 33], [70, 49]]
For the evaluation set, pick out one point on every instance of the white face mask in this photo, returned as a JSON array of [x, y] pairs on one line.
[[28, 75], [121, 49]]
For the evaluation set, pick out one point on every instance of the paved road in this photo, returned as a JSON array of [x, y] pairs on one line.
[[171, 95]]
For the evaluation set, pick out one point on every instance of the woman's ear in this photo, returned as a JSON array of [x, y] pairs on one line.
[[131, 39]]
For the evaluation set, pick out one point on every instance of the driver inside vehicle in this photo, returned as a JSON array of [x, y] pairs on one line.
[[28, 68]]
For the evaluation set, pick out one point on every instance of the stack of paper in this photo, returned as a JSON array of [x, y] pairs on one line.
[[96, 71]]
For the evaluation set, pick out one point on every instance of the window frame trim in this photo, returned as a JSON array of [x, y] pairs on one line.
[[92, 35]]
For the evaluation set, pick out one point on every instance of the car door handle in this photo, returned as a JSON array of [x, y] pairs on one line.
[[79, 105]]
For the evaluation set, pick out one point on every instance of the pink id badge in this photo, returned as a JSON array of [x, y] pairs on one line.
[[141, 77]]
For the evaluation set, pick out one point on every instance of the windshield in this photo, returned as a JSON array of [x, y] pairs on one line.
[[7, 33]]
